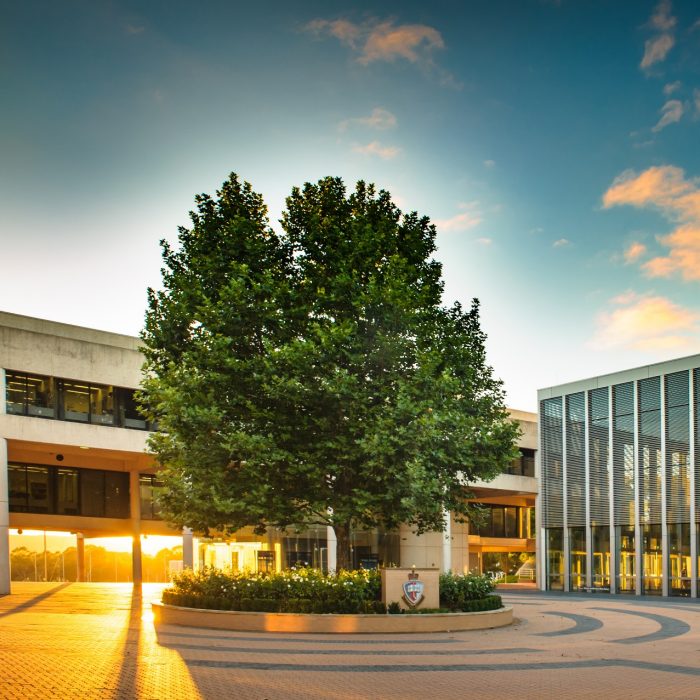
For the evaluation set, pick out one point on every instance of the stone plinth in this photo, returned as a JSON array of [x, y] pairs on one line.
[[392, 587]]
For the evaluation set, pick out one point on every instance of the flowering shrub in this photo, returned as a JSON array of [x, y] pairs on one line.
[[312, 591], [456, 591], [296, 590]]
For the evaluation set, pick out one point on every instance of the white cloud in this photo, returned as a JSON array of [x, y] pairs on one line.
[[134, 28], [662, 19], [656, 49], [671, 113], [561, 243], [696, 101], [461, 222], [646, 322], [380, 119], [490, 163], [670, 88], [666, 189], [375, 148], [484, 241]]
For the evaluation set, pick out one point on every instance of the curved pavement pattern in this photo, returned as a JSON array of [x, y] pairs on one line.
[[99, 641]]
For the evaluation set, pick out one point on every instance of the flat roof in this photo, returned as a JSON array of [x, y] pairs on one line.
[[627, 375], [67, 330]]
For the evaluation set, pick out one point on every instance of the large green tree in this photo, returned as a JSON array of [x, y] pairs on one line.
[[314, 377]]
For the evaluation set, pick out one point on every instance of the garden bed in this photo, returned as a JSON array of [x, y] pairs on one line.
[[311, 623]]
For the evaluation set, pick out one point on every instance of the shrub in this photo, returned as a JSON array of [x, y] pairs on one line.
[[456, 590], [297, 590]]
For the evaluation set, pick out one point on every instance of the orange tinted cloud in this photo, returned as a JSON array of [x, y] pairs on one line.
[[385, 41], [460, 222], [665, 188], [634, 251], [646, 323]]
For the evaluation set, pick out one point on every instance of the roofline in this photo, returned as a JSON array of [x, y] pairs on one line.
[[643, 372], [69, 331]]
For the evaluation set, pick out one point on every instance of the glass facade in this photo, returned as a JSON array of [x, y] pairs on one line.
[[68, 491], [635, 483], [505, 521], [65, 399], [523, 465]]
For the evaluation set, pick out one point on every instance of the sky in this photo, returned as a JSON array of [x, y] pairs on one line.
[[553, 144]]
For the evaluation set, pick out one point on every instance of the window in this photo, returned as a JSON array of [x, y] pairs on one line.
[[128, 410], [72, 400], [68, 491], [149, 508], [29, 395], [524, 465]]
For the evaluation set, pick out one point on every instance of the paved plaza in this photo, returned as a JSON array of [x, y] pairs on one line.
[[99, 641]]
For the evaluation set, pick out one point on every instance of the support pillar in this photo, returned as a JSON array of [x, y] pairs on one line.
[[332, 545], [447, 544], [135, 502], [187, 548], [80, 556], [4, 516]]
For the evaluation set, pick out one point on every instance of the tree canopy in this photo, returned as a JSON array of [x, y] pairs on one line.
[[314, 376]]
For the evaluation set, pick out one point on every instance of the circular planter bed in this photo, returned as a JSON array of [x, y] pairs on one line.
[[330, 624]]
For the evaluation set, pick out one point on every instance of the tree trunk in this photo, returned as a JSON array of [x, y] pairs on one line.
[[342, 534]]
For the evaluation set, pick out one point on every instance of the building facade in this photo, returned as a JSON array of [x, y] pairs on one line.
[[618, 505], [73, 459]]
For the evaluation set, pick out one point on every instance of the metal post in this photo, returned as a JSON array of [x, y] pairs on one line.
[[587, 472], [664, 514], [565, 499], [693, 494], [638, 559], [614, 543]]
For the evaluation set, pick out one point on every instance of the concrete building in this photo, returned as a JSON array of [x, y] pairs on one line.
[[73, 459], [620, 480]]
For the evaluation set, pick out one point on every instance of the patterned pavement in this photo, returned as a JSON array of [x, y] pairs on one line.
[[99, 641]]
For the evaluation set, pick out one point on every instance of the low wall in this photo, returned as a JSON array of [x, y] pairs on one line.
[[330, 624]]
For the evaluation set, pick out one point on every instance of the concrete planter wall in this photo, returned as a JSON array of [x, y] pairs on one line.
[[330, 624]]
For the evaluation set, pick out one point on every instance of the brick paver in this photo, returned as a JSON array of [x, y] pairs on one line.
[[99, 641]]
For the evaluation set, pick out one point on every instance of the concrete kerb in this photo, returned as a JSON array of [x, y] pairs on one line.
[[309, 623]]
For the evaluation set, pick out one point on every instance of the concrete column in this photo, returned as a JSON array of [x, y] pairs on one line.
[[447, 544], [187, 548], [135, 503], [332, 544], [80, 557], [540, 546], [4, 516]]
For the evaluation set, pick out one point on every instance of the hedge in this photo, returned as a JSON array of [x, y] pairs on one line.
[[312, 591]]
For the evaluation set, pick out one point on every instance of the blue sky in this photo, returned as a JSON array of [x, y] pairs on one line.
[[554, 144]]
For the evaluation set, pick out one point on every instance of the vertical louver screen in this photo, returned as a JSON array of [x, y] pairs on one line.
[[696, 381], [552, 471], [677, 447], [650, 465], [623, 453], [599, 439], [575, 460]]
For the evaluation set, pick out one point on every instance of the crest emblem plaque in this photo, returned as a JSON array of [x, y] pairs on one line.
[[413, 590]]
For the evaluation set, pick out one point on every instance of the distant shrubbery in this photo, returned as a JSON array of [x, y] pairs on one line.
[[312, 591]]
